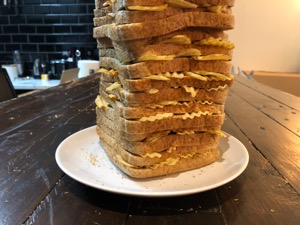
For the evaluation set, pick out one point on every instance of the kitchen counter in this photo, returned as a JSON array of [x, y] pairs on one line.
[[33, 84], [34, 190]]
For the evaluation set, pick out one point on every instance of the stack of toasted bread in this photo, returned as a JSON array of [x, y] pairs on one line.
[[166, 70]]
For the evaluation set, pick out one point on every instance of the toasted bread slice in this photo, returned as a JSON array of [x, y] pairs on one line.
[[172, 165], [161, 122], [170, 80], [147, 68], [190, 42], [168, 51], [125, 4], [180, 94], [121, 4], [160, 108], [111, 127], [126, 17], [158, 141], [155, 154], [189, 35], [163, 26], [148, 112]]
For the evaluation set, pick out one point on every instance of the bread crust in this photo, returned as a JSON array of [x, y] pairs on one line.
[[143, 69], [130, 51], [204, 158], [169, 123], [194, 34], [135, 99], [162, 141], [121, 4], [142, 159], [160, 49], [150, 110], [143, 85], [127, 17], [112, 128], [167, 25]]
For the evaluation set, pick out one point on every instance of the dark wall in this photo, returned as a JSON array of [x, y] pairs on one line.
[[45, 28]]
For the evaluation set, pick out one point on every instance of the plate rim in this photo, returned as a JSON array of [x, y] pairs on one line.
[[148, 194]]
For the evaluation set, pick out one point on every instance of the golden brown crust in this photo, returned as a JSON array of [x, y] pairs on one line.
[[127, 17], [111, 127], [204, 158], [170, 123], [141, 159], [160, 49], [194, 34], [121, 4], [142, 85], [143, 69], [168, 94], [159, 27], [142, 111], [160, 143]]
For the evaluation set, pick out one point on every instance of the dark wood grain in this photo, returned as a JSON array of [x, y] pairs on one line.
[[30, 138], [280, 146], [70, 202], [287, 99], [35, 191], [261, 195], [230, 204], [274, 108]]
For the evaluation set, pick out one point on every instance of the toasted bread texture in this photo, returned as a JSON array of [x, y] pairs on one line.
[[169, 165], [127, 17], [162, 123], [160, 141], [165, 70], [124, 4], [160, 27], [193, 33], [169, 80], [112, 128], [167, 94], [167, 50], [143, 69], [164, 107]]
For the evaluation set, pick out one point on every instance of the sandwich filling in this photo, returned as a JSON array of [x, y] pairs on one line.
[[194, 53], [186, 103], [198, 74], [185, 116], [172, 3], [168, 162]]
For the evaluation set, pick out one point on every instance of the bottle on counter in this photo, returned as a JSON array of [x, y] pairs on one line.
[[18, 61], [69, 60], [77, 56]]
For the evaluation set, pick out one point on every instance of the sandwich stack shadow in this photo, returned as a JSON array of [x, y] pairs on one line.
[[165, 73]]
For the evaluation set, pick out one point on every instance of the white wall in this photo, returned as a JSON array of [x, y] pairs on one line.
[[267, 35]]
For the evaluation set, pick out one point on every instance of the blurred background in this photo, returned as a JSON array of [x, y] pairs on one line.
[[48, 30], [267, 35]]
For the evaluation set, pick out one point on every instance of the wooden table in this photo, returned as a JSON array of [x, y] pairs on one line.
[[33, 190]]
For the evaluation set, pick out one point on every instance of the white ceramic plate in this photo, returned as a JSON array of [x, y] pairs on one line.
[[81, 157]]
